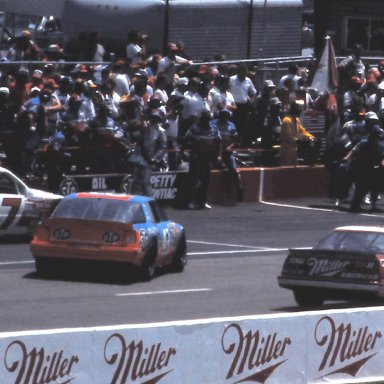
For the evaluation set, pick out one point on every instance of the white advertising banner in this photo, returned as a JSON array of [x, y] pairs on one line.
[[310, 347]]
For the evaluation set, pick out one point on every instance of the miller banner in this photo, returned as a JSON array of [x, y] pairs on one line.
[[344, 346]]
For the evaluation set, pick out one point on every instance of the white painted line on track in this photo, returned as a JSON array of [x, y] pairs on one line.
[[16, 262], [299, 207], [224, 244], [164, 292], [316, 209], [243, 251]]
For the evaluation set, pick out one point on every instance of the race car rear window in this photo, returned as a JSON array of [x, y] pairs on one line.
[[100, 209], [353, 241]]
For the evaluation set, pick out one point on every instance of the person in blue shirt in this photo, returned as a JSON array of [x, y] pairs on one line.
[[203, 139], [229, 138]]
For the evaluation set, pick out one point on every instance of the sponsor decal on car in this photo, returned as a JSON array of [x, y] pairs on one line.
[[29, 364], [326, 267], [61, 234], [111, 237], [143, 238], [255, 356], [173, 228], [346, 349], [133, 361]]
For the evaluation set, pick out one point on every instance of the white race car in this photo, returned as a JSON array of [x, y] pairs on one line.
[[347, 264], [21, 207]]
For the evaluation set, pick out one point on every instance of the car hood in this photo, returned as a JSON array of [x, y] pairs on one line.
[[43, 195]]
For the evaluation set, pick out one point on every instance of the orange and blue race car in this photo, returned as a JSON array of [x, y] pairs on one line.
[[118, 229]]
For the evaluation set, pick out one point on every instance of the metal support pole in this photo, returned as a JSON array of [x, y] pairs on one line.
[[166, 26], [250, 24]]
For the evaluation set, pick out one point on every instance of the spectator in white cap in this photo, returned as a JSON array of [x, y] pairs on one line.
[[180, 87]]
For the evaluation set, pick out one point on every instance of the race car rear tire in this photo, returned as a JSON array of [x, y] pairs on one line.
[[179, 259], [305, 297], [44, 267], [148, 269]]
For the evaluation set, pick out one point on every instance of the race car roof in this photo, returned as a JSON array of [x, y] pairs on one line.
[[113, 196], [361, 228]]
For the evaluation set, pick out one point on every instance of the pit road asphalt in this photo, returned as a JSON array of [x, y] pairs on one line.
[[235, 254]]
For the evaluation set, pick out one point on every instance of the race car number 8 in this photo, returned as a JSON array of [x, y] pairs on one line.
[[15, 205]]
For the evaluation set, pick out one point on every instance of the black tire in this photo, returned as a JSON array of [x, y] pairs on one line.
[[305, 297], [179, 258], [44, 266], [148, 269]]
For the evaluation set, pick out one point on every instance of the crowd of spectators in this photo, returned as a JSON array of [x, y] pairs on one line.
[[158, 111], [355, 152]]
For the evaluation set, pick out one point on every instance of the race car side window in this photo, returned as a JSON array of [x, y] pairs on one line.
[[152, 212], [132, 213], [378, 244], [157, 214], [7, 185], [138, 214], [21, 189]]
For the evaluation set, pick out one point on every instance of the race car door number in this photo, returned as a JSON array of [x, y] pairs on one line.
[[15, 205]]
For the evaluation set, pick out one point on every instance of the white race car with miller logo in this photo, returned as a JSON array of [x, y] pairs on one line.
[[347, 264]]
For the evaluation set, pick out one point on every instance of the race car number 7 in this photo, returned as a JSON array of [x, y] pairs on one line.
[[15, 205]]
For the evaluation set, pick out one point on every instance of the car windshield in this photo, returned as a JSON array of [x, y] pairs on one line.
[[352, 241], [100, 209]]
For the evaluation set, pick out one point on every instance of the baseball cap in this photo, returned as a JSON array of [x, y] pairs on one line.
[[141, 73], [371, 116], [182, 81], [37, 74], [269, 84]]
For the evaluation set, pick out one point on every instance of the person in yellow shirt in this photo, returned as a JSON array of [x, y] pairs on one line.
[[291, 132]]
